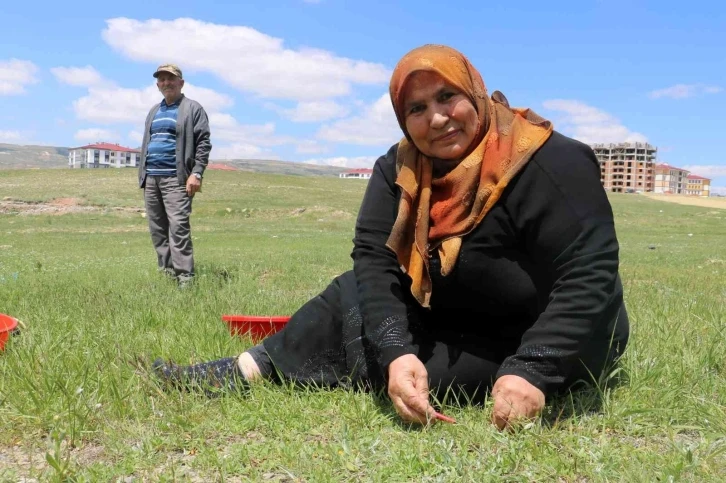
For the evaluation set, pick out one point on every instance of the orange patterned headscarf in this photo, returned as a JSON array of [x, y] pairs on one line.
[[434, 214]]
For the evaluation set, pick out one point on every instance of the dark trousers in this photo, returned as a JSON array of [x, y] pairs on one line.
[[168, 208]]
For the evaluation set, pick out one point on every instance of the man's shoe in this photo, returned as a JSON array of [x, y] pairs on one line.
[[169, 272], [185, 281]]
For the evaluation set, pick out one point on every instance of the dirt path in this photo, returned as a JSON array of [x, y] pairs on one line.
[[58, 206], [710, 202]]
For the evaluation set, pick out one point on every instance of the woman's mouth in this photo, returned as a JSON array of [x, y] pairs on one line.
[[448, 136]]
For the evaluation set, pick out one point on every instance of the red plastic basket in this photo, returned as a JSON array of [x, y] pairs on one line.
[[7, 325], [256, 326]]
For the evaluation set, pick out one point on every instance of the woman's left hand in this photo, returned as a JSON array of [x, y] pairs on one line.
[[515, 399]]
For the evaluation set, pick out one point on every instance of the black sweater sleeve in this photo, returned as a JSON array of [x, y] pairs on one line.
[[380, 280], [566, 226]]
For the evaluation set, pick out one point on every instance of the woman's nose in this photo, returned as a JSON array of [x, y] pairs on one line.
[[439, 119]]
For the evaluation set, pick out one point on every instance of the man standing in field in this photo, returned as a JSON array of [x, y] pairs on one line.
[[174, 155]]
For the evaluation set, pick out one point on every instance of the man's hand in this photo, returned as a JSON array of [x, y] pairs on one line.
[[408, 388], [515, 399], [194, 184]]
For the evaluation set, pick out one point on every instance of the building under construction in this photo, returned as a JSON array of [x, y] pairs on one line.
[[626, 167]]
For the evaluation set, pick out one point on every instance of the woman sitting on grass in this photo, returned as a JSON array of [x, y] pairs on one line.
[[485, 261]]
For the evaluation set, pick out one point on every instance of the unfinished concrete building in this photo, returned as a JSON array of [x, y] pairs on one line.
[[626, 167]]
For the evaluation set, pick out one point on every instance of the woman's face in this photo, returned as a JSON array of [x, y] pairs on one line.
[[440, 119]]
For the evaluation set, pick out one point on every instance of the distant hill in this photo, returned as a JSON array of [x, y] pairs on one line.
[[15, 156], [282, 167]]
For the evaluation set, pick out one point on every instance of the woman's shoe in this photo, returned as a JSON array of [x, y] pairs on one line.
[[212, 377]]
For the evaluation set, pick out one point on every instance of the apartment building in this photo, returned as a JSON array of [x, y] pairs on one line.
[[626, 167], [698, 185], [670, 180], [362, 173], [103, 155], [678, 181]]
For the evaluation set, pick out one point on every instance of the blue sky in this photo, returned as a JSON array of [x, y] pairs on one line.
[[306, 80]]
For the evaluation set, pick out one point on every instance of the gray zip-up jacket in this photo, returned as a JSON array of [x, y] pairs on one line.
[[192, 140]]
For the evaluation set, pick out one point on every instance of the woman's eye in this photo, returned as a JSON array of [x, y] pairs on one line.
[[445, 96], [416, 109]]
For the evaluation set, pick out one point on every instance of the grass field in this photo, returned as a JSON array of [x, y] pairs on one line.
[[77, 267]]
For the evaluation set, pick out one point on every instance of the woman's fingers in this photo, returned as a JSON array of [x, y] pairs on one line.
[[410, 404], [502, 412], [515, 399], [408, 413], [408, 389]]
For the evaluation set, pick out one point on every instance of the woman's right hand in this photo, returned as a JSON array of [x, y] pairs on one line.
[[408, 388]]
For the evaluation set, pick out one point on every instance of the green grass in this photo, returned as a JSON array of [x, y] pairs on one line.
[[75, 406]]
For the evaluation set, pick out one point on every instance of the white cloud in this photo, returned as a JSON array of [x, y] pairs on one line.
[[683, 91], [136, 137], [132, 105], [15, 75], [242, 56], [707, 170], [376, 126], [590, 124], [10, 136], [310, 147], [315, 111], [244, 140], [718, 190], [226, 128], [129, 105], [95, 134], [241, 151], [77, 76], [345, 162]]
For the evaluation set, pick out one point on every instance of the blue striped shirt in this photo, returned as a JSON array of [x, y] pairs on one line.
[[161, 152]]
